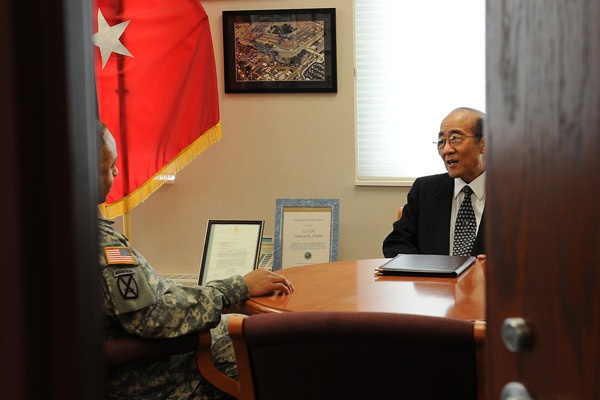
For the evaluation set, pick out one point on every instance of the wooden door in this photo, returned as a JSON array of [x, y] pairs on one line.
[[51, 335], [543, 204]]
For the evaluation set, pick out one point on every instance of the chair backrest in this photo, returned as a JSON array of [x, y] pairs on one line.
[[354, 355], [132, 349], [400, 212]]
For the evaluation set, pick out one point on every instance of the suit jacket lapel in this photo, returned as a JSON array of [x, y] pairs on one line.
[[439, 205]]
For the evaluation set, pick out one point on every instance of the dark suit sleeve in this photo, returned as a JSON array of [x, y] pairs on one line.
[[479, 245], [404, 237]]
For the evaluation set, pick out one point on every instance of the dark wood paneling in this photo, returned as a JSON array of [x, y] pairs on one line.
[[543, 239], [52, 326]]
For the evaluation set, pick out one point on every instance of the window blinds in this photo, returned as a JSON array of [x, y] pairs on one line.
[[415, 61]]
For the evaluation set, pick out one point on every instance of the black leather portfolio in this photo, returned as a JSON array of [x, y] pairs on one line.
[[426, 265]]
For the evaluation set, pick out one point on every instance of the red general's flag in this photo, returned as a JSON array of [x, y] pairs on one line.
[[157, 91]]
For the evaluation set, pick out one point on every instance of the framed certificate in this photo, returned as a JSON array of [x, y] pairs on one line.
[[306, 232], [231, 248]]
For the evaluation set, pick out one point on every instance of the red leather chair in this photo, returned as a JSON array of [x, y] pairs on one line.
[[351, 355], [129, 349]]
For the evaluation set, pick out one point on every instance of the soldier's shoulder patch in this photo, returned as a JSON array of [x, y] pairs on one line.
[[118, 255], [127, 284]]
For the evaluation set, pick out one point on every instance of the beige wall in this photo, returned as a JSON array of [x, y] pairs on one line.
[[273, 146]]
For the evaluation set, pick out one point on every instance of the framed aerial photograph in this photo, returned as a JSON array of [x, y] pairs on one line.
[[270, 51], [306, 232]]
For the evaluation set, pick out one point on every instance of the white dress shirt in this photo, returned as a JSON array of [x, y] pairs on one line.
[[477, 199]]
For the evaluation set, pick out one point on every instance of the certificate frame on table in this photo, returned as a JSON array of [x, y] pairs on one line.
[[306, 232], [231, 247]]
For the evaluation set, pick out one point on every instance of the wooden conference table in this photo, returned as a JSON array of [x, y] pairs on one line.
[[353, 286]]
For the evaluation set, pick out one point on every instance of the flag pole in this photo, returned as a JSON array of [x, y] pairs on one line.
[[123, 131], [127, 226]]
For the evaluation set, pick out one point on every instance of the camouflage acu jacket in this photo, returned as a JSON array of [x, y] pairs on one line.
[[137, 301]]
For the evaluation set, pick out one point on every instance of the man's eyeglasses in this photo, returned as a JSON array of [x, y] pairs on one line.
[[453, 141]]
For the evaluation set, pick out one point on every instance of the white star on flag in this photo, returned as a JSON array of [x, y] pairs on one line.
[[107, 38]]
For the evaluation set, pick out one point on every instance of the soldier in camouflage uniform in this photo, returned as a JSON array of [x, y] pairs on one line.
[[138, 302]]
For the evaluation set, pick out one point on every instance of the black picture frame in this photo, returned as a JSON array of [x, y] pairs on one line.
[[280, 51], [239, 240]]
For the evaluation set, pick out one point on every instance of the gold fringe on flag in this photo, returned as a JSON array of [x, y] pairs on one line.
[[127, 203]]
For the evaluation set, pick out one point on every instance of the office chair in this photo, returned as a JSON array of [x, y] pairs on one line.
[[350, 355], [131, 349]]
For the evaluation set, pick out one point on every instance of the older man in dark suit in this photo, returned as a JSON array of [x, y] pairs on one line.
[[432, 219]]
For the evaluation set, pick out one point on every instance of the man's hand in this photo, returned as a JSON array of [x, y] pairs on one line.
[[262, 282], [481, 259]]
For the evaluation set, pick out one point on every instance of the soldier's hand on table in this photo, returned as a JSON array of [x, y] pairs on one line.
[[262, 282]]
